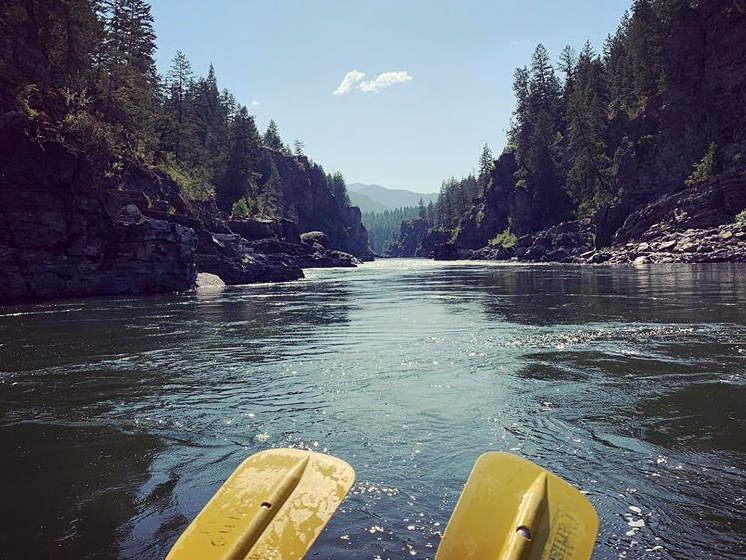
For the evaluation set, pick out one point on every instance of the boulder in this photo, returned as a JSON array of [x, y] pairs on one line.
[[564, 242], [490, 253], [236, 261], [256, 228], [311, 237]]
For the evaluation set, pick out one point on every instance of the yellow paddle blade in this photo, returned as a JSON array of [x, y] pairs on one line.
[[512, 509], [273, 506]]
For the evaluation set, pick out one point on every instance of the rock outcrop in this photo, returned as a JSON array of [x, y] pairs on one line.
[[417, 239], [304, 186], [703, 60], [66, 229], [560, 243], [409, 242], [695, 225], [61, 236]]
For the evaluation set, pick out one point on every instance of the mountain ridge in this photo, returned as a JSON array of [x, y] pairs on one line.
[[388, 198]]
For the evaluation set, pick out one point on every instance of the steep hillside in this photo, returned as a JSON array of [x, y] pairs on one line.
[[659, 112], [67, 231], [365, 203]]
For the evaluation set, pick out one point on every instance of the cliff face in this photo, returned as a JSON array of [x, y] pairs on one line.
[[68, 230], [304, 186], [704, 60], [696, 225], [408, 244], [502, 206], [61, 236], [416, 239]]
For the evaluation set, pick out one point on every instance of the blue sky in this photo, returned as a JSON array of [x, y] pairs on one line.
[[447, 70]]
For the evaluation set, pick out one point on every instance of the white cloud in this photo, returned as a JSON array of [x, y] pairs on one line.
[[350, 79], [254, 103], [385, 80]]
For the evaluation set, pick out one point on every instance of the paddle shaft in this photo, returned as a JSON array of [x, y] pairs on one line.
[[527, 520], [267, 511]]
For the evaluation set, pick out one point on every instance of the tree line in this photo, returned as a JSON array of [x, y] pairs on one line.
[[384, 226], [84, 70]]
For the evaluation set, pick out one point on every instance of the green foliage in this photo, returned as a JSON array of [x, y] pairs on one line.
[[194, 182], [455, 233], [706, 168], [272, 138], [741, 216], [336, 182], [645, 140], [486, 163], [242, 208], [96, 135], [84, 71], [384, 226], [24, 101], [505, 239]]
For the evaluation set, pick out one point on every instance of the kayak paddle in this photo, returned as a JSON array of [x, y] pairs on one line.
[[274, 505], [512, 509]]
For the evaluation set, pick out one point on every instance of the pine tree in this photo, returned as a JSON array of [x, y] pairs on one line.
[[269, 201], [486, 163], [178, 82], [338, 187], [567, 61], [210, 120], [430, 213], [544, 86], [421, 210], [239, 179], [298, 148], [130, 79], [589, 178], [272, 138]]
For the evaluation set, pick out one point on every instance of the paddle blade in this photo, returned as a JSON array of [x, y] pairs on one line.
[[274, 505], [512, 509]]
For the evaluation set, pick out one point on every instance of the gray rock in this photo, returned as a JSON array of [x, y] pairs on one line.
[[133, 212], [312, 237]]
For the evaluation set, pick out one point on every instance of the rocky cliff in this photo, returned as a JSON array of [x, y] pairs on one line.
[[66, 229], [699, 224], [304, 186], [61, 236]]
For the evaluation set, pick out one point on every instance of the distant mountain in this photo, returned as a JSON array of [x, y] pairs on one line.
[[389, 198], [365, 203]]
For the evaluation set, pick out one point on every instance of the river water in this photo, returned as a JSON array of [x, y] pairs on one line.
[[120, 417]]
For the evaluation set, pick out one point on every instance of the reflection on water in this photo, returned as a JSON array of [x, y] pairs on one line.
[[120, 417]]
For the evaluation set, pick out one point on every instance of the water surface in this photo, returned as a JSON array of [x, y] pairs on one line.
[[120, 417]]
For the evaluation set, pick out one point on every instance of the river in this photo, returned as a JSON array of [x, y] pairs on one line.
[[119, 417]]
